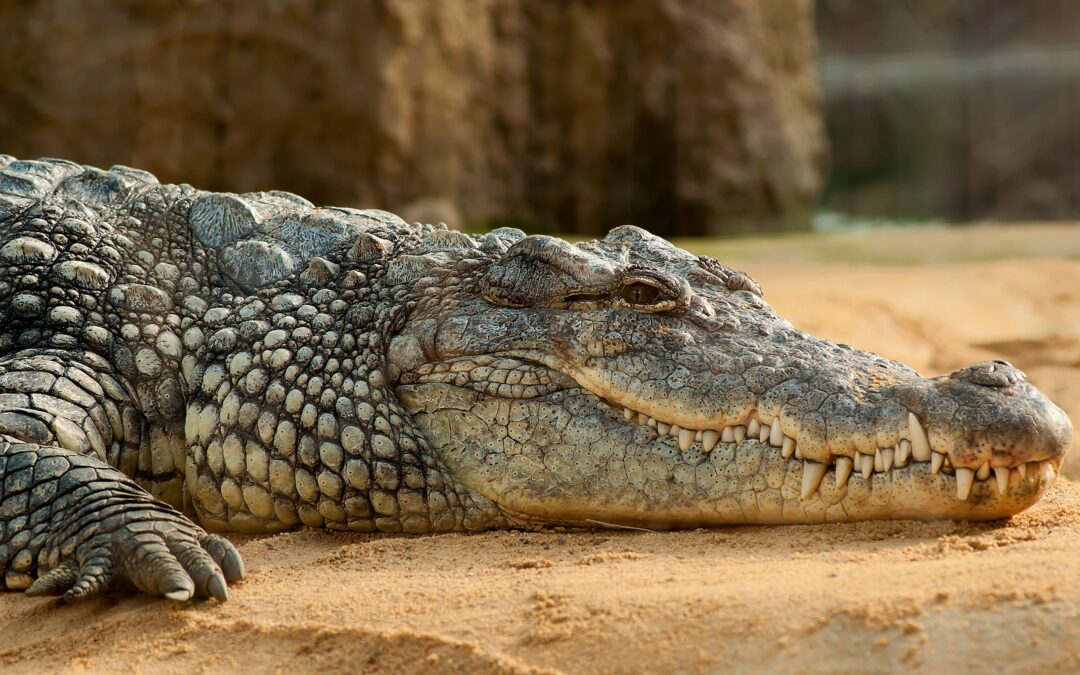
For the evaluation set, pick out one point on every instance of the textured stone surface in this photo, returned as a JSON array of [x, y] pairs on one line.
[[687, 116]]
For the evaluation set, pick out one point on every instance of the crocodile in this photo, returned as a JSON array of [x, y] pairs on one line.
[[175, 363]]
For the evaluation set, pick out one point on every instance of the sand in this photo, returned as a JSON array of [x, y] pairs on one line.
[[866, 597]]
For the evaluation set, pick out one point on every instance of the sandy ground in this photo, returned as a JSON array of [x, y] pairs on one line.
[[868, 597]]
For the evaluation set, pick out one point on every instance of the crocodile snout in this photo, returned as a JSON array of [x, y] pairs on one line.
[[988, 414]]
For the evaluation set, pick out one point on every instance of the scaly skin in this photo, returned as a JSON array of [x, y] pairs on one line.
[[257, 364]]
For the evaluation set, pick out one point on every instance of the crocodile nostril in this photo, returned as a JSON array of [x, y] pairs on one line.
[[997, 373]]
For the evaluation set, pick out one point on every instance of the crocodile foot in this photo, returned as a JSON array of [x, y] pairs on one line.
[[109, 533]]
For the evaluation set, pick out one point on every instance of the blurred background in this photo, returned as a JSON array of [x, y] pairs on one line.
[[691, 117], [956, 110], [934, 140]]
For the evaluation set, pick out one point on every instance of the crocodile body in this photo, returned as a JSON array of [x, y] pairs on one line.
[[174, 361]]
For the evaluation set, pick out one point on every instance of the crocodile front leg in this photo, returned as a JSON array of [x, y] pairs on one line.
[[70, 523], [80, 527]]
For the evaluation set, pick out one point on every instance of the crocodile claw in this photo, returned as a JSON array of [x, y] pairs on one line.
[[115, 535], [179, 564]]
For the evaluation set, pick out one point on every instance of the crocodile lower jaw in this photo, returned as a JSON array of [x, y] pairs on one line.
[[913, 450]]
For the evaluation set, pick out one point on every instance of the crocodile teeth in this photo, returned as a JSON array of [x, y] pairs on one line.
[[686, 438], [811, 478], [936, 462], [1046, 471], [887, 458], [642, 419], [798, 453], [984, 471], [728, 435], [709, 439], [651, 422], [699, 434], [1002, 475], [628, 414], [789, 448], [674, 430], [903, 451], [754, 428], [663, 428], [740, 434], [964, 478], [867, 466], [920, 444], [843, 470], [1022, 470], [763, 435], [879, 461], [776, 434]]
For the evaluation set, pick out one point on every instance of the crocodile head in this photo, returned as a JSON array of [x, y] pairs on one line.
[[626, 381]]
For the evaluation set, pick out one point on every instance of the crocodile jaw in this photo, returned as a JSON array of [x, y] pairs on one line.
[[571, 457]]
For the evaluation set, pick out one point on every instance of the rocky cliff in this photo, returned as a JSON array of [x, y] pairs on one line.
[[685, 116]]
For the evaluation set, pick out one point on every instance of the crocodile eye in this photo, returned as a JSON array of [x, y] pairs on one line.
[[639, 294], [650, 291]]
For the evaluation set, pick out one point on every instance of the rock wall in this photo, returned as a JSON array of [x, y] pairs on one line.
[[684, 116]]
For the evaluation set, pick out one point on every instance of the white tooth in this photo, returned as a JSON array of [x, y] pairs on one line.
[[651, 422], [798, 453], [1046, 471], [936, 462], [843, 470], [709, 439], [763, 435], [1002, 475], [686, 438], [789, 448], [754, 427], [699, 434], [879, 461], [867, 466], [1022, 470], [964, 478], [984, 471], [776, 434], [740, 434], [887, 458], [812, 474], [628, 414], [674, 430], [642, 419], [903, 451], [663, 428], [920, 444], [728, 435]]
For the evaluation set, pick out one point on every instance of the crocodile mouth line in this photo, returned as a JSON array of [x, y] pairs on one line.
[[520, 376], [884, 460]]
